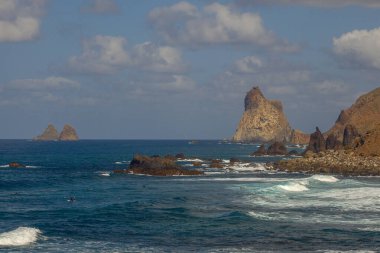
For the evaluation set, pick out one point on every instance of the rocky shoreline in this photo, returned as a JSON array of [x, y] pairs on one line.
[[342, 162]]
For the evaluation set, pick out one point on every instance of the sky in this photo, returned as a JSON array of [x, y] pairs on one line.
[[180, 69]]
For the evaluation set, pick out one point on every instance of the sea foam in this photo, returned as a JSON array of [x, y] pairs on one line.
[[295, 186], [324, 178], [21, 236]]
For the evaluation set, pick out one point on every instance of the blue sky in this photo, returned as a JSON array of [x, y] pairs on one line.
[[180, 69]]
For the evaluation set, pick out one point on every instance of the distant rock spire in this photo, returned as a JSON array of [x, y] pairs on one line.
[[50, 134], [68, 134]]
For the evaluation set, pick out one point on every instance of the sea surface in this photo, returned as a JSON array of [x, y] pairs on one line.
[[68, 200]]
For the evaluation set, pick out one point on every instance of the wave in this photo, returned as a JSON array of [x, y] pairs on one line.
[[191, 160], [244, 167], [122, 162], [324, 178], [295, 186], [4, 166], [21, 236]]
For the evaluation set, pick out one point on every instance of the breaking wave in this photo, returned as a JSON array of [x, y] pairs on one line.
[[21, 236], [295, 186]]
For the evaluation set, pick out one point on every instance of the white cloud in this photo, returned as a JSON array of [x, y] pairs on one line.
[[185, 24], [101, 55], [108, 54], [157, 58], [331, 86], [102, 7], [249, 64], [360, 46], [20, 19], [317, 3], [49, 83], [179, 83]]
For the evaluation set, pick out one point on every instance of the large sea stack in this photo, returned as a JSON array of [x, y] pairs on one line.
[[263, 120], [50, 134], [68, 134], [364, 115]]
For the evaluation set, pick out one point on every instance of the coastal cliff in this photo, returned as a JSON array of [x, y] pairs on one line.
[[263, 120], [364, 114]]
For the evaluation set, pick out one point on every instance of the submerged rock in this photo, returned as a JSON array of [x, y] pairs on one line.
[[260, 151], [156, 166], [16, 165]]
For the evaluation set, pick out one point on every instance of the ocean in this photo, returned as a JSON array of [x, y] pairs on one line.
[[68, 200]]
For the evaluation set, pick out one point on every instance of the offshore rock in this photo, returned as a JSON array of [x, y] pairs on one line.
[[317, 142], [156, 166], [50, 134], [277, 148], [364, 114], [260, 151], [263, 120], [16, 165], [68, 134]]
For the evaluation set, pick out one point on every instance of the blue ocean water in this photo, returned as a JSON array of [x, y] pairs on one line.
[[240, 208]]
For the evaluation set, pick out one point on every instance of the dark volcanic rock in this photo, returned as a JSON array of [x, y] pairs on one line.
[[349, 136], [317, 142], [16, 165], [234, 160], [180, 156], [156, 166], [332, 142], [260, 151], [293, 153], [277, 148]]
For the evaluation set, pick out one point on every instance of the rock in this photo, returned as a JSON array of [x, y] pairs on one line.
[[293, 153], [68, 134], [16, 165], [234, 160], [364, 114], [299, 137], [317, 142], [332, 142], [371, 143], [260, 151], [156, 166], [169, 157], [262, 120], [277, 148], [350, 133], [197, 164], [180, 156], [50, 134], [216, 163]]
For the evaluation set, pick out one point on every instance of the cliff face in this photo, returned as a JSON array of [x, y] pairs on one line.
[[262, 120], [371, 143], [364, 114], [68, 134], [299, 137], [50, 134]]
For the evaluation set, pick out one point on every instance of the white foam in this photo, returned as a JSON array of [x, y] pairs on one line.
[[191, 160], [238, 179], [31, 167], [4, 166], [21, 236], [324, 178], [295, 186], [105, 174], [248, 167]]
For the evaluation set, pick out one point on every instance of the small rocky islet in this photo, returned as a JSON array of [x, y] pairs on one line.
[[68, 133]]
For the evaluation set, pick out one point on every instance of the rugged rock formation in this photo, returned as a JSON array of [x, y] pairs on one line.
[[364, 114], [16, 165], [68, 134], [332, 142], [277, 148], [156, 166], [371, 143], [263, 120], [317, 142], [351, 137], [299, 137], [50, 134], [260, 151]]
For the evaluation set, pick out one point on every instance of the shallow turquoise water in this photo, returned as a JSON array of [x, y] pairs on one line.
[[242, 209]]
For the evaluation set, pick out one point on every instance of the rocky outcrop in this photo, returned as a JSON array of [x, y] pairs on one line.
[[16, 165], [277, 148], [364, 114], [299, 137], [332, 142], [156, 166], [371, 143], [351, 137], [263, 120], [68, 134], [50, 134], [317, 142], [260, 151]]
